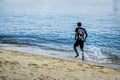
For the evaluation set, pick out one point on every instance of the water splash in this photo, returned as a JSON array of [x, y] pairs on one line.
[[95, 54], [98, 55]]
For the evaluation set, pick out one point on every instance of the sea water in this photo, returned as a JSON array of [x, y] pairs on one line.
[[47, 27]]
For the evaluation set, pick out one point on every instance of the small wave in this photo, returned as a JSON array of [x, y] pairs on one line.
[[92, 53], [96, 54], [8, 42], [45, 46]]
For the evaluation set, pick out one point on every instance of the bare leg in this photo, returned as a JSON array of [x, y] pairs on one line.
[[76, 51], [82, 54]]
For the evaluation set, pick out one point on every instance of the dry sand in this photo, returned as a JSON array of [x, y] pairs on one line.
[[21, 66]]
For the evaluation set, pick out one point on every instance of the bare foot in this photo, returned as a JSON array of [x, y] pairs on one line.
[[76, 56], [83, 58]]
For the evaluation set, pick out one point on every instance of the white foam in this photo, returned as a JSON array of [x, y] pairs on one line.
[[93, 53]]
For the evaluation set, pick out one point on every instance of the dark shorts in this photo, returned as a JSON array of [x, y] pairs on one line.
[[79, 42]]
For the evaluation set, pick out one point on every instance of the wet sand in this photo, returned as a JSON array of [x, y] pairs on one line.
[[16, 65]]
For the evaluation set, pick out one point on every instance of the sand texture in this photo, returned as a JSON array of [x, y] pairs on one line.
[[23, 66]]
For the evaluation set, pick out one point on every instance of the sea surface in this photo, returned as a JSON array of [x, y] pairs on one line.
[[47, 27]]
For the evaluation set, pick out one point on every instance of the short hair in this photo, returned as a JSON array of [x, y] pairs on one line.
[[79, 24]]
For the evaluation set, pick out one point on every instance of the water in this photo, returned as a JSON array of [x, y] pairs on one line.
[[44, 26]]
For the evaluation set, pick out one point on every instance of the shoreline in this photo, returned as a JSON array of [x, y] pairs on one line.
[[58, 54], [23, 66]]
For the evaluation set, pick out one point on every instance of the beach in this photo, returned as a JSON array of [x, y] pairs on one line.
[[16, 65], [37, 38], [48, 28]]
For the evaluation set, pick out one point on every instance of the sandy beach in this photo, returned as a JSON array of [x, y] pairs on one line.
[[16, 65]]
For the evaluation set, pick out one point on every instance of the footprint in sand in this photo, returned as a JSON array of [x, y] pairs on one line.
[[1, 51], [33, 65], [12, 65], [0, 63], [2, 77], [45, 65], [102, 71], [10, 62], [80, 64]]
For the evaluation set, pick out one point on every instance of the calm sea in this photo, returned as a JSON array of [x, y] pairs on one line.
[[47, 27]]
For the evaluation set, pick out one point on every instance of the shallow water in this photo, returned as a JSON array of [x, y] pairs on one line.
[[49, 26]]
